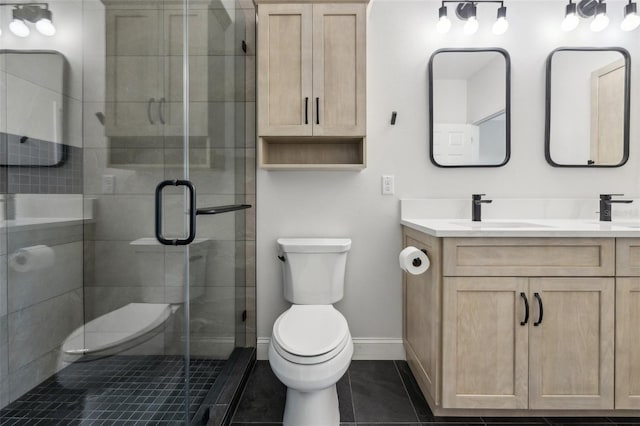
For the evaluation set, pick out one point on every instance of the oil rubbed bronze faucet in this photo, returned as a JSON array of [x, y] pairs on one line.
[[476, 206], [605, 205]]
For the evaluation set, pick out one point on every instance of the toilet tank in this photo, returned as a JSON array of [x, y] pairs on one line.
[[160, 265], [313, 269]]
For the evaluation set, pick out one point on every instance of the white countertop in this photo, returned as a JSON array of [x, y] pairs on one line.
[[28, 223], [524, 228]]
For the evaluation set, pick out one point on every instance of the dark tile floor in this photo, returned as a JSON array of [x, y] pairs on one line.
[[377, 393], [127, 390]]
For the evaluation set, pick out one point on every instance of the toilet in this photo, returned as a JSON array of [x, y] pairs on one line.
[[311, 347], [133, 326]]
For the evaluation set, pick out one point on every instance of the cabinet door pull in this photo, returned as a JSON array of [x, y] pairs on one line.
[[149, 105], [526, 309], [539, 299], [306, 110], [317, 110], [161, 110]]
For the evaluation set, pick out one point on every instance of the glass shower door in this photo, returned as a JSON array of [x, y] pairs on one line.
[[100, 321]]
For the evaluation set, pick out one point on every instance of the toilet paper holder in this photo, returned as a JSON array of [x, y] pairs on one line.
[[417, 262]]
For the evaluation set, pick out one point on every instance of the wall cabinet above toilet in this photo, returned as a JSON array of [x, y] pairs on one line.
[[312, 84]]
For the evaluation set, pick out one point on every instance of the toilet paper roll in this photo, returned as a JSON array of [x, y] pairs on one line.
[[414, 261], [32, 258]]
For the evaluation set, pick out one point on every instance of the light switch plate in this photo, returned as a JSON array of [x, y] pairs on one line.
[[108, 184]]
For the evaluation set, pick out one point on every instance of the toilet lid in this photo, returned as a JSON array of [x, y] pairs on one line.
[[310, 330]]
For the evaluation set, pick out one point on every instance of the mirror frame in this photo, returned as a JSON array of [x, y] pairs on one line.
[[507, 60], [627, 101]]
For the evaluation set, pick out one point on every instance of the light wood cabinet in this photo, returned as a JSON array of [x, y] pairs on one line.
[[484, 347], [422, 322], [560, 359], [628, 343], [312, 85], [571, 351], [479, 350], [144, 66]]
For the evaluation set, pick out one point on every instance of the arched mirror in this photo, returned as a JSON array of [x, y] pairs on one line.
[[469, 107], [587, 107]]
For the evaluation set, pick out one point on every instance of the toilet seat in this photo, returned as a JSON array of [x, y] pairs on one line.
[[310, 334]]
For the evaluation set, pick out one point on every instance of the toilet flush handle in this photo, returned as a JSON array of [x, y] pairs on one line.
[[282, 259]]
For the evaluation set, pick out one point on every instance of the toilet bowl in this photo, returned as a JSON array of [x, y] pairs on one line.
[[311, 346], [135, 324], [115, 332]]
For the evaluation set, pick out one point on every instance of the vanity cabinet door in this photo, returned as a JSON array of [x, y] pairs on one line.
[[628, 343], [571, 349], [485, 347]]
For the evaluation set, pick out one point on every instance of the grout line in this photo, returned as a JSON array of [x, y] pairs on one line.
[[353, 406], [404, 386]]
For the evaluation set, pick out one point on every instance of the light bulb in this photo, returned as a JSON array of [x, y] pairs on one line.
[[601, 20], [19, 28], [631, 19], [599, 23], [630, 22], [570, 22], [45, 27], [443, 25], [471, 26], [500, 26]]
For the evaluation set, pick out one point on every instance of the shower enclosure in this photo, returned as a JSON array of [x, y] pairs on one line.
[[100, 322]]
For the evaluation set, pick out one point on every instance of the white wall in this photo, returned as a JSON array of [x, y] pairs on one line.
[[487, 90], [401, 37], [450, 96]]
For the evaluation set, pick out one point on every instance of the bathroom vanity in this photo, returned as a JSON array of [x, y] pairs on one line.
[[536, 317]]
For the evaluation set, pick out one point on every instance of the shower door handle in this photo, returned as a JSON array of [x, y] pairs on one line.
[[192, 213]]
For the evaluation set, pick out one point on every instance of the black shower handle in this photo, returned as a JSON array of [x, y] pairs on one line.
[[192, 213]]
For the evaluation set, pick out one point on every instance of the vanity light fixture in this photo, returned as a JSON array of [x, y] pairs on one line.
[[444, 23], [501, 25], [631, 19], [571, 20], [467, 11], [471, 26], [601, 20], [597, 9], [37, 13]]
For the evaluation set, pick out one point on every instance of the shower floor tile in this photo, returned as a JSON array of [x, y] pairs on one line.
[[115, 390]]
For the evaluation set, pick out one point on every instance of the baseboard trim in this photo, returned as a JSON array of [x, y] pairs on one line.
[[363, 348]]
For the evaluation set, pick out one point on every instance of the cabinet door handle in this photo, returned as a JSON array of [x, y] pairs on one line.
[[526, 309], [539, 299], [317, 110], [306, 110], [161, 110], [149, 105]]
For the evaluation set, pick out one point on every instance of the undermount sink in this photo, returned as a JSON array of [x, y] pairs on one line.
[[489, 224]]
